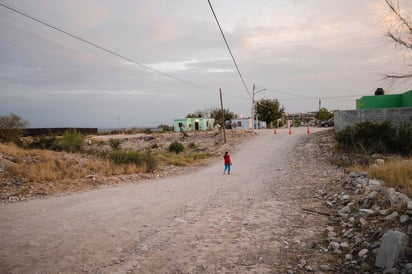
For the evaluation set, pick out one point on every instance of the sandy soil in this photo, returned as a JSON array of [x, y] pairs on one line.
[[252, 221]]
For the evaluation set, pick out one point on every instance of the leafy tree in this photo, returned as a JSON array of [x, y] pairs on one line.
[[12, 128], [268, 110], [323, 114], [217, 115], [400, 32]]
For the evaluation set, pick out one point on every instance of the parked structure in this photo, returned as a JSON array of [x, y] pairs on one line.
[[193, 124]]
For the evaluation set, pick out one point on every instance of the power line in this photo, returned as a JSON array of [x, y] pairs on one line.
[[230, 51], [104, 49], [313, 97], [290, 93]]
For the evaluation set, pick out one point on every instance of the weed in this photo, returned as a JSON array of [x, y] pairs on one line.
[[144, 161], [115, 143], [176, 147], [396, 173], [181, 159], [72, 141], [43, 142]]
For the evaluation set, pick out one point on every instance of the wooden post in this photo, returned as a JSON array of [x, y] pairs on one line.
[[223, 115]]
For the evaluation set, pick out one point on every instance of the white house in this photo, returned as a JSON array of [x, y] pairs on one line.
[[242, 124], [246, 124]]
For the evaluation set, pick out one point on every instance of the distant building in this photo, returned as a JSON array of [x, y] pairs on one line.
[[246, 124], [241, 124], [193, 124], [385, 101]]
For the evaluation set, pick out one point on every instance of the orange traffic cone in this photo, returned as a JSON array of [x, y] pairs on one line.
[[290, 130], [274, 131], [308, 130]]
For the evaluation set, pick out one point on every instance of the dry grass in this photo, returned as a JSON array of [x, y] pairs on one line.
[[181, 159], [43, 165], [395, 173]]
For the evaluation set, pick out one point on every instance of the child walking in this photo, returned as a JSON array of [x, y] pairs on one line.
[[228, 163]]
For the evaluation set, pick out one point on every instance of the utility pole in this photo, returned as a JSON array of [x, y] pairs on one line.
[[223, 115], [253, 106]]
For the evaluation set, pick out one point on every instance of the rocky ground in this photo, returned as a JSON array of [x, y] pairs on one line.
[[370, 227]]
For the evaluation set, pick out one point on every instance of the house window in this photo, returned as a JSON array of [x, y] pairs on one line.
[[239, 123], [180, 124]]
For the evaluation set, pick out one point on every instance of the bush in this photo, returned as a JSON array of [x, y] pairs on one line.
[[176, 147], [166, 128], [192, 145], [403, 141], [146, 160], [51, 143], [115, 143], [372, 138], [11, 128], [72, 141], [126, 157]]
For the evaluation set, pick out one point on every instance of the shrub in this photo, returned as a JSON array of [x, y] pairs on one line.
[[126, 157], [146, 160], [51, 143], [372, 138], [176, 147], [72, 141], [192, 145], [403, 141], [150, 161], [166, 128], [115, 143]]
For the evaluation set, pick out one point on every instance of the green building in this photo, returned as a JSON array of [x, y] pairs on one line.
[[193, 124], [385, 101]]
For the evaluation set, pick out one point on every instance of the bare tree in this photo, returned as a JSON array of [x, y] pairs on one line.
[[401, 34]]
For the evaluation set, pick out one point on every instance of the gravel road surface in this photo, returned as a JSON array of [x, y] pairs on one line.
[[201, 222]]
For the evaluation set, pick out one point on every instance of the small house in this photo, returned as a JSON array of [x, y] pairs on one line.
[[246, 124], [193, 124], [242, 124]]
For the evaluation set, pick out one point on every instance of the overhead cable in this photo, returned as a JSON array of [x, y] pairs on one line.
[[230, 51]]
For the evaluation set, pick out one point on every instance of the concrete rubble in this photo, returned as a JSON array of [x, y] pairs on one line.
[[373, 227]]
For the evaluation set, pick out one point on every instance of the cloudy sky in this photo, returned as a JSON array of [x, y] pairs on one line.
[[176, 60]]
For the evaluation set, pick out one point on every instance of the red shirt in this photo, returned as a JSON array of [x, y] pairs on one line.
[[227, 159]]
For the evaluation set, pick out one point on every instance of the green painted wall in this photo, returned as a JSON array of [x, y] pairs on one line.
[[407, 99], [385, 101]]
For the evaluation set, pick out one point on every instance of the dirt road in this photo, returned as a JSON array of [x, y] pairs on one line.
[[203, 222]]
